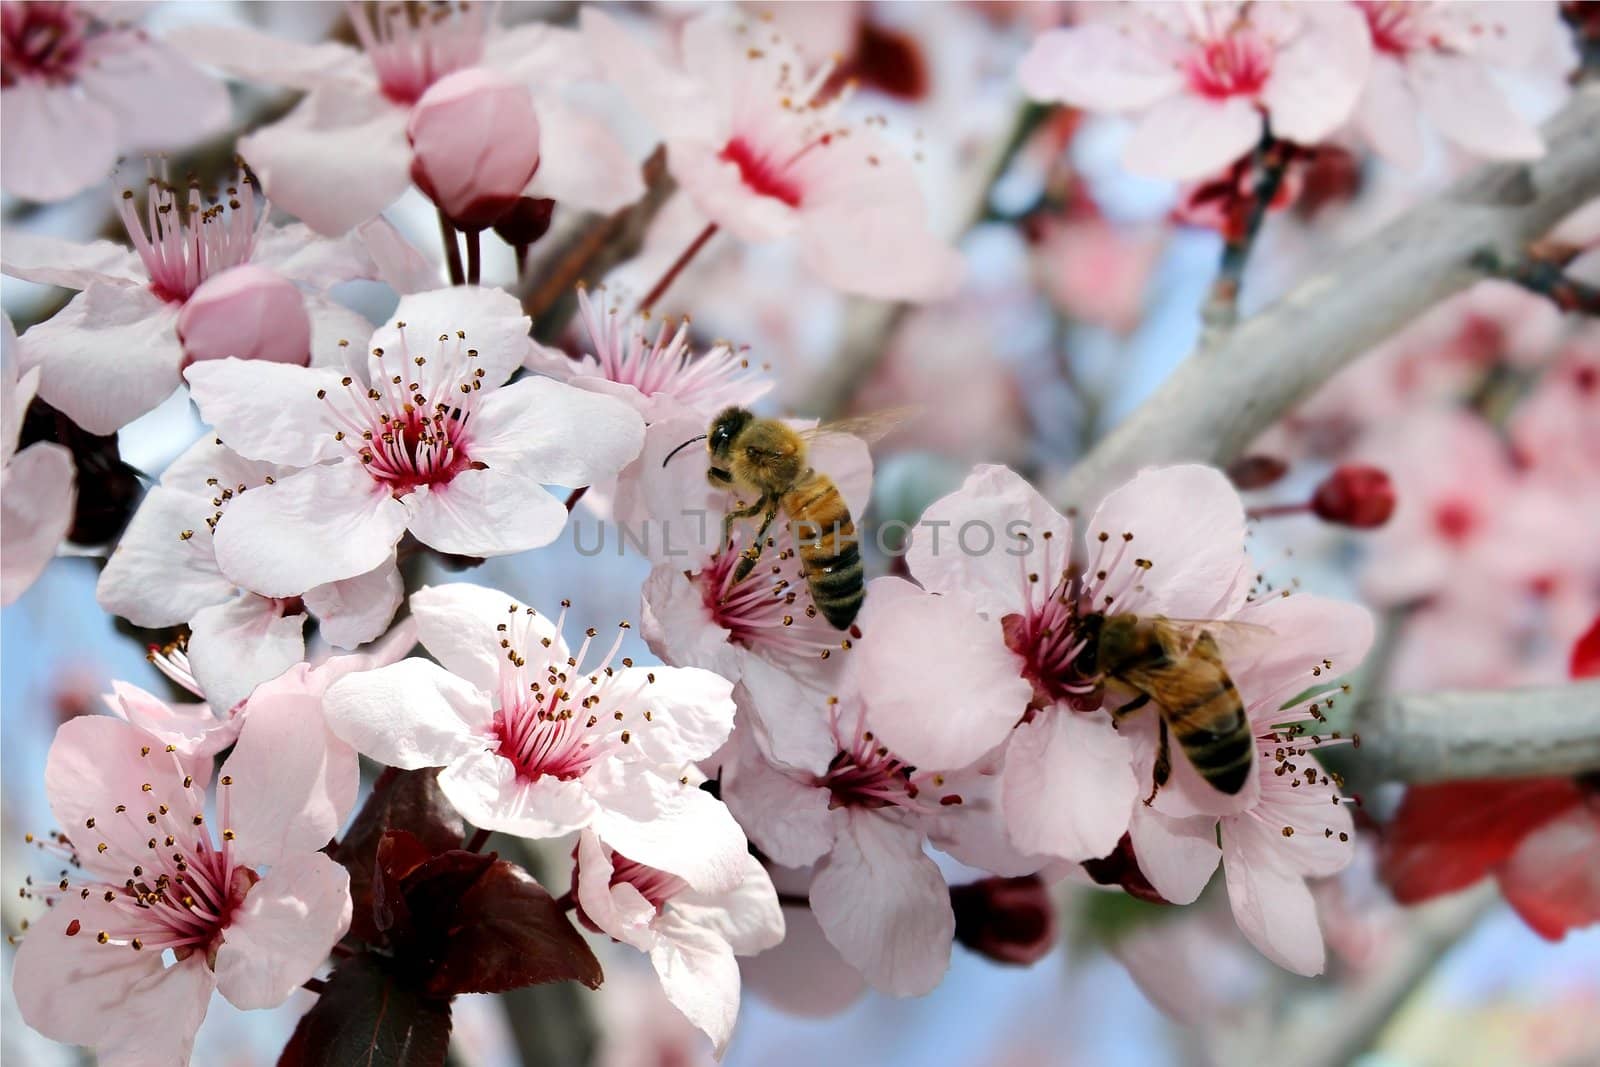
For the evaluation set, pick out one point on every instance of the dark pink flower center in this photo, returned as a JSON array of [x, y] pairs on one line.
[[865, 774], [654, 885], [1455, 519], [771, 610], [1394, 31], [40, 40], [411, 46], [761, 173], [184, 241], [1235, 63]]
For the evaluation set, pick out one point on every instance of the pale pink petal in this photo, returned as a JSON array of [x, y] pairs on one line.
[[1461, 99], [556, 434], [456, 624], [1318, 78], [485, 512], [336, 161], [261, 58], [356, 610], [491, 319], [109, 997], [620, 910], [940, 686], [786, 817], [1313, 641], [1069, 785], [37, 257], [395, 261], [1189, 523], [319, 525], [787, 711], [884, 905], [281, 934], [268, 411], [691, 712], [1271, 904], [805, 975], [192, 727], [58, 141], [748, 916], [109, 356], [1097, 66], [37, 492], [671, 825], [139, 78], [484, 787], [153, 577], [1178, 856], [717, 188], [974, 832], [1387, 114], [299, 254], [679, 628], [293, 784], [581, 162], [1185, 138], [674, 102], [698, 975], [985, 538], [409, 714], [1307, 828], [236, 645]]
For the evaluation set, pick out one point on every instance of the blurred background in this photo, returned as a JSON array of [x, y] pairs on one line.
[[1084, 288]]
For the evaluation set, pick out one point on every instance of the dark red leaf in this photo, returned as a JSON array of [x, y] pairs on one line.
[[366, 1016], [402, 800], [1445, 837], [507, 932]]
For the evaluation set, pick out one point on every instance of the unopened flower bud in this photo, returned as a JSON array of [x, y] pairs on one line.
[[249, 312], [475, 145], [1009, 920], [1256, 472], [1355, 495]]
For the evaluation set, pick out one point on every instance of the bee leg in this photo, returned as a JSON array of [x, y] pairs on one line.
[[1130, 707], [753, 553], [1163, 768], [734, 516]]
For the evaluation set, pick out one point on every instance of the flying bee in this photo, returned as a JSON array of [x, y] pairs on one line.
[[1176, 665], [767, 459]]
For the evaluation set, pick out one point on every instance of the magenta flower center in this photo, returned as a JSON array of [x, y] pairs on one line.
[[414, 427], [555, 717], [413, 46], [153, 859], [761, 172], [771, 610], [865, 774], [1455, 519], [1394, 30], [666, 366], [182, 242], [654, 885], [1234, 63], [41, 40]]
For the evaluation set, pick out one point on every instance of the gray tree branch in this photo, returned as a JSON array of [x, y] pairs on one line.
[[1223, 397], [1512, 733]]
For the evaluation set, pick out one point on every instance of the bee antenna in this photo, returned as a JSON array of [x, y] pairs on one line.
[[680, 448]]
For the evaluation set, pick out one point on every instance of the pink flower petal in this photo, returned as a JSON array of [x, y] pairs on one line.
[[58, 141], [1270, 902], [553, 433], [356, 610], [1459, 97], [409, 714], [281, 934], [268, 411], [36, 504], [236, 645], [138, 78], [1185, 138], [698, 975], [1069, 785], [1178, 856], [109, 356], [1097, 66], [484, 512], [671, 825]]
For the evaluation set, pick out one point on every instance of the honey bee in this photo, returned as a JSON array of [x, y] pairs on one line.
[[767, 459], [1176, 665]]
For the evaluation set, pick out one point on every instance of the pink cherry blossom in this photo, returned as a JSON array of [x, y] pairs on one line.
[[880, 899], [1434, 61], [241, 898], [1097, 271], [764, 633], [1294, 824], [475, 145], [691, 937], [660, 378], [1170, 542], [1206, 80], [421, 435], [115, 351], [164, 572], [538, 740], [246, 311], [37, 487], [341, 157], [80, 88], [764, 158]]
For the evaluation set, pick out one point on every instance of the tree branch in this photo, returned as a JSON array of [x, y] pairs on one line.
[[1221, 399], [1512, 733]]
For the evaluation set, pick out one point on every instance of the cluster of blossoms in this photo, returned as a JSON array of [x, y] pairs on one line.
[[1031, 701]]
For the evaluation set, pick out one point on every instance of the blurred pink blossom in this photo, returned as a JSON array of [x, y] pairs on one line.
[[475, 145], [38, 485]]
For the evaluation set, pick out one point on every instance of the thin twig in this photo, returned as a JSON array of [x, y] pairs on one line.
[[672, 272], [476, 842], [1220, 400], [452, 251], [474, 256], [1222, 307], [1544, 277]]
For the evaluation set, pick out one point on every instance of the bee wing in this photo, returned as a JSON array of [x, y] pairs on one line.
[[869, 428], [1232, 635]]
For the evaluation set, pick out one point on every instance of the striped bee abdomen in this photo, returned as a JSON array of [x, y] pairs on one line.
[[826, 538], [1215, 735]]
